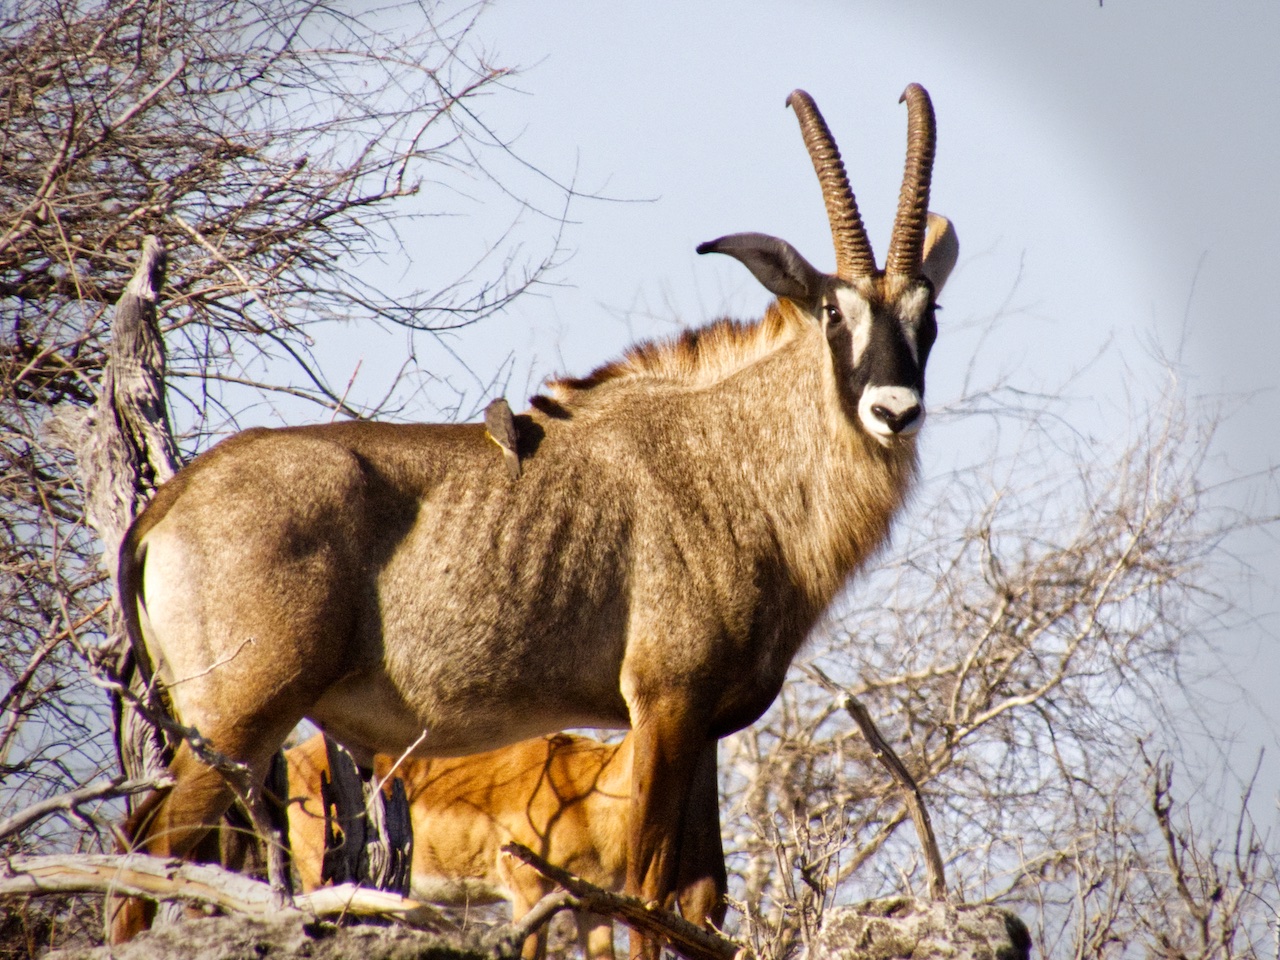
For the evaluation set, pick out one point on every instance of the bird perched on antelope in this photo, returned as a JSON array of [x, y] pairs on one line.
[[500, 427]]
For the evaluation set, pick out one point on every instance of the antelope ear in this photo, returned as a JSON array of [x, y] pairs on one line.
[[941, 248], [775, 263]]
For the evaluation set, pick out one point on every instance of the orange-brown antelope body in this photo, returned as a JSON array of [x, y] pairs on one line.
[[681, 519], [565, 797]]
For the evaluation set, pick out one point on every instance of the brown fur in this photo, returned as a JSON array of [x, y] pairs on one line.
[[374, 576], [692, 358], [681, 519], [565, 797]]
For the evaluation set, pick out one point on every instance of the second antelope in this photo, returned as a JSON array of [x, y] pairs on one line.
[[564, 797], [681, 519]]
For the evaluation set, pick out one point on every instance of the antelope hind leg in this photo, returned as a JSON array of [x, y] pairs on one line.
[[169, 822], [173, 821]]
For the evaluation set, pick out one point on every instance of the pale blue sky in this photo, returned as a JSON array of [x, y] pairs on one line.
[[1116, 163], [1112, 172]]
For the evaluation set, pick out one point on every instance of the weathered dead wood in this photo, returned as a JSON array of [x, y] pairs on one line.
[[391, 856], [649, 920], [125, 449], [293, 936], [368, 837], [172, 880], [129, 452], [911, 791], [896, 927]]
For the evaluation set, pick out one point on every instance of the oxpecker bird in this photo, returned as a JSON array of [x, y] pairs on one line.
[[500, 427]]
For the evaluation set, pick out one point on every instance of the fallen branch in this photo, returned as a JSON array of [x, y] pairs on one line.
[[155, 878], [676, 933]]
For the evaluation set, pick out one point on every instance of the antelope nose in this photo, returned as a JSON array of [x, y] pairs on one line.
[[896, 420]]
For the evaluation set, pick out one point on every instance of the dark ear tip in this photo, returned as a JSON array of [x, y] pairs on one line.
[[708, 247]]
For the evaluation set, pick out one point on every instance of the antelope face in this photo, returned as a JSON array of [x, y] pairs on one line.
[[879, 347], [879, 329], [879, 324]]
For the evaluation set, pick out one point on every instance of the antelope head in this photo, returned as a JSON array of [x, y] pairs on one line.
[[879, 324]]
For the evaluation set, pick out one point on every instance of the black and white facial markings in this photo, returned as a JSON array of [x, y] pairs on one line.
[[880, 349]]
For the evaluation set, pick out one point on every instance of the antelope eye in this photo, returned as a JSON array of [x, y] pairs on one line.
[[833, 313]]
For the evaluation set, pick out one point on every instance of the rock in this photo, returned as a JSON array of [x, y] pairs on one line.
[[903, 928], [278, 938]]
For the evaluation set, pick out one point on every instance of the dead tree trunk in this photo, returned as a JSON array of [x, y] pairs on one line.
[[368, 838], [124, 450], [128, 449]]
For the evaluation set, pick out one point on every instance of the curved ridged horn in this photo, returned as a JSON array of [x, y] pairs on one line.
[[854, 258], [906, 246]]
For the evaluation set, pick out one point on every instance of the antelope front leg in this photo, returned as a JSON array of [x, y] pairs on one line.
[[669, 739], [701, 881]]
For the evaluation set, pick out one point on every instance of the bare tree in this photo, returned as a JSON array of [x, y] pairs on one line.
[[1035, 630], [274, 149]]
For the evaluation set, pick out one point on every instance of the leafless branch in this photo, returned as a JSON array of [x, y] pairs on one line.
[[911, 791]]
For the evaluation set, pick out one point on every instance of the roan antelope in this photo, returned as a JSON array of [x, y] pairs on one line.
[[565, 797], [682, 518]]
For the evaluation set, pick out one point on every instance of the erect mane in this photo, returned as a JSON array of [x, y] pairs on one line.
[[692, 359]]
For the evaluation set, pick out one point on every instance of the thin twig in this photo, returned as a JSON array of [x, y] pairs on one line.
[[107, 789], [380, 783]]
